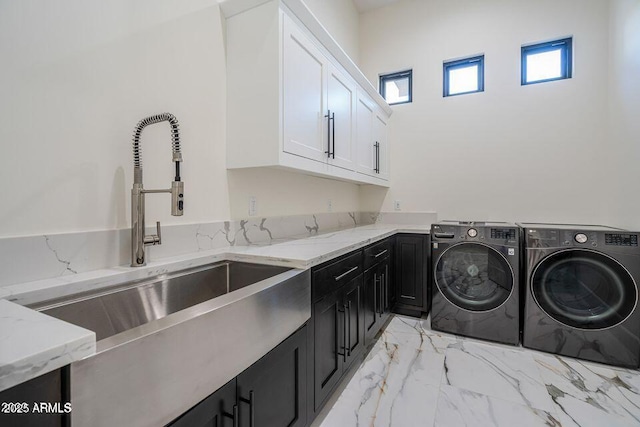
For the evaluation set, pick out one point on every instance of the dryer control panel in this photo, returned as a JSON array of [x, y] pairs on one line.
[[549, 238], [620, 239]]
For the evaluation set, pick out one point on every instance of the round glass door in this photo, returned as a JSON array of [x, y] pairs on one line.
[[473, 276], [584, 289]]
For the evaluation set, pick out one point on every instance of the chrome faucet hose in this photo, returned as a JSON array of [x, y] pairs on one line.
[[175, 139]]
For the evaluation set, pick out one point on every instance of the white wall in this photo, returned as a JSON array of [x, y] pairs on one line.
[[76, 77], [341, 19], [528, 153], [624, 43]]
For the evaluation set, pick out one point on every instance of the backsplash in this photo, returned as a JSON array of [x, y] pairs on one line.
[[25, 259]]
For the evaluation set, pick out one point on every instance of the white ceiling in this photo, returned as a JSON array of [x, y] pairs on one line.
[[366, 5]]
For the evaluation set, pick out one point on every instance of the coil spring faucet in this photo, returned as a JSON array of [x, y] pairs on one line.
[[138, 238]]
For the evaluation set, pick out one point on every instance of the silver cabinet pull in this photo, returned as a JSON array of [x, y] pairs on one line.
[[381, 253], [344, 274]]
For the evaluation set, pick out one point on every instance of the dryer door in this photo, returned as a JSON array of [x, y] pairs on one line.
[[474, 276], [584, 289]]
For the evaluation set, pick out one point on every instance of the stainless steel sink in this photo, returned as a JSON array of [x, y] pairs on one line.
[[118, 310], [166, 343]]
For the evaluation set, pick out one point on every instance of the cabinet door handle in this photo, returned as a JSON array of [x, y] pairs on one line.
[[330, 117], [251, 401], [346, 273], [234, 416], [349, 335], [381, 253], [376, 288], [338, 347], [333, 135], [384, 293], [344, 338], [381, 294]]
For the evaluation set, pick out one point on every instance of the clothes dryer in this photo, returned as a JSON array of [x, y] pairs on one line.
[[581, 297]]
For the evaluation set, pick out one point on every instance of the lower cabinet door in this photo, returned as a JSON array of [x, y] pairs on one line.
[[371, 305], [353, 305], [386, 288], [217, 410], [49, 388], [411, 270], [272, 391], [329, 342]]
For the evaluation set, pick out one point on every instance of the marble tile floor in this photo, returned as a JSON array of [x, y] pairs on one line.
[[417, 377]]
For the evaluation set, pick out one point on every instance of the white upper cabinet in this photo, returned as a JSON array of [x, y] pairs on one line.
[[382, 144], [364, 135], [304, 80], [292, 103], [341, 109], [371, 139]]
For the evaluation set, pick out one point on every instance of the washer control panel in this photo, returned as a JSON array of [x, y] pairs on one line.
[[503, 233]]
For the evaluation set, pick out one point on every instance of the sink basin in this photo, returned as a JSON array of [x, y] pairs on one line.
[[166, 343], [126, 307]]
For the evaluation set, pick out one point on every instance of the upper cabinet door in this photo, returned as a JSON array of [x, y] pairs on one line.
[[341, 99], [364, 135], [380, 136], [304, 81]]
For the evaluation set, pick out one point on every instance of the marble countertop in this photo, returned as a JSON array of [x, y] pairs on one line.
[[34, 344]]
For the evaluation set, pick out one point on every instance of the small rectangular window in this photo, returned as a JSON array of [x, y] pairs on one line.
[[463, 76], [545, 62], [396, 88]]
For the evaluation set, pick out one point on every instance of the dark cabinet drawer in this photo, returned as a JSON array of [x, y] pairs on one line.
[[375, 253], [329, 277]]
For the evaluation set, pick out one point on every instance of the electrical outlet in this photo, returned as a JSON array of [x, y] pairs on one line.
[[396, 205], [329, 206], [253, 206]]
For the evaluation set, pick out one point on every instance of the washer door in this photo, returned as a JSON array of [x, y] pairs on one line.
[[474, 276], [584, 289]]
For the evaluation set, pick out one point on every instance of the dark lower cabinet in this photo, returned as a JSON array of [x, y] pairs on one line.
[[40, 402], [270, 393], [411, 272], [217, 410], [328, 350], [353, 303], [371, 289], [377, 297], [338, 336]]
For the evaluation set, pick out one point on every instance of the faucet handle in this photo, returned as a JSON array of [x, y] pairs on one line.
[[154, 239], [159, 234]]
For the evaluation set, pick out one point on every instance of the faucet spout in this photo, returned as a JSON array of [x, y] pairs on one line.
[[138, 238]]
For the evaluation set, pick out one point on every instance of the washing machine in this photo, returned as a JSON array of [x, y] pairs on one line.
[[581, 294], [476, 280]]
